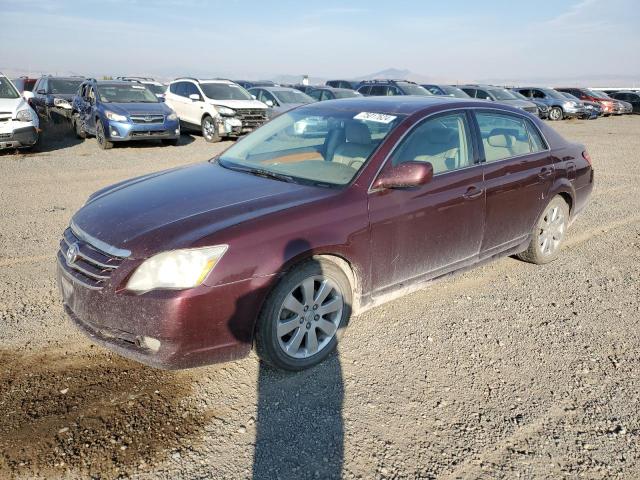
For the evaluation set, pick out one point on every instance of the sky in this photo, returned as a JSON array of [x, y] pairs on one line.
[[256, 39]]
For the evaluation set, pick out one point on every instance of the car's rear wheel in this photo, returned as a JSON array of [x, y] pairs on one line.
[[556, 113], [103, 143], [548, 234], [77, 126], [298, 325], [209, 130]]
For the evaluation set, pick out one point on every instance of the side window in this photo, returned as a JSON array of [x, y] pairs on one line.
[[482, 94], [190, 89], [393, 91], [443, 141], [326, 95], [470, 91], [538, 94], [365, 90], [315, 94], [537, 142], [92, 95], [43, 85], [378, 90], [267, 96], [173, 88], [433, 89], [503, 136], [526, 93]]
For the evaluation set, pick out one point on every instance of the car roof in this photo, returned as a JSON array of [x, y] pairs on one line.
[[332, 89], [115, 82], [276, 89]]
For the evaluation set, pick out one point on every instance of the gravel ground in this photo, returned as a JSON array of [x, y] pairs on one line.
[[510, 370]]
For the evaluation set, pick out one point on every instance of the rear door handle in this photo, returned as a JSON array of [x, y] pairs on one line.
[[473, 192], [545, 172]]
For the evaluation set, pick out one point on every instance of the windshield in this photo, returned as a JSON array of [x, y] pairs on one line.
[[553, 93], [502, 94], [518, 95], [6, 89], [225, 91], [345, 93], [134, 93], [315, 145], [453, 91], [291, 96], [599, 94], [64, 87], [570, 97], [157, 89], [412, 89]]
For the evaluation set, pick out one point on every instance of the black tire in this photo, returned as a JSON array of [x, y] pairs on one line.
[[535, 252], [170, 141], [209, 129], [268, 343], [556, 114], [103, 143], [76, 123]]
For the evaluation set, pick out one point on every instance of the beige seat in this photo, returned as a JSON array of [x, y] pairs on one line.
[[504, 143], [357, 146], [441, 149]]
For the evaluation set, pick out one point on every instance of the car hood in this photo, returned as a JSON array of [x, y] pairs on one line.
[[176, 208], [138, 108], [12, 104], [239, 104]]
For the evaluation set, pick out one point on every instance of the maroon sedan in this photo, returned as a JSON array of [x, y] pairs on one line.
[[325, 211]]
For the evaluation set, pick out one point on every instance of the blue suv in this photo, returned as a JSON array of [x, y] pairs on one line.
[[118, 111]]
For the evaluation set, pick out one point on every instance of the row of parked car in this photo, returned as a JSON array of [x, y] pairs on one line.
[[140, 108]]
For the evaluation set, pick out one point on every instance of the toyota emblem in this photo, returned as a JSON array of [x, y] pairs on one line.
[[72, 253]]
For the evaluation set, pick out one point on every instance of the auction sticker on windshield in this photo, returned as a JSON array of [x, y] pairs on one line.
[[375, 117]]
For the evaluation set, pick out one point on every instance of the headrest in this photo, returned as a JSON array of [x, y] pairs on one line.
[[502, 137], [357, 132], [440, 135]]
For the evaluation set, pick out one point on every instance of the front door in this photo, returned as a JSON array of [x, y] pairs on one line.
[[518, 174], [424, 231]]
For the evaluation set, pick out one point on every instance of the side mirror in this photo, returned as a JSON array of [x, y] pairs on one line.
[[269, 103], [27, 95], [41, 92], [195, 97], [405, 175], [254, 97]]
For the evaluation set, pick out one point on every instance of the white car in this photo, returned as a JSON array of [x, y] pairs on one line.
[[219, 108], [19, 124]]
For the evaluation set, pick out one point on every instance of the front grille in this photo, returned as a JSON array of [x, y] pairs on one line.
[[147, 118], [251, 117], [531, 109], [91, 267]]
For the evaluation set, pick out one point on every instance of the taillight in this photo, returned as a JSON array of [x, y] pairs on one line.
[[586, 156]]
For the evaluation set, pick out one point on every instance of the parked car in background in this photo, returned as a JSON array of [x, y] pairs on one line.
[[446, 90], [330, 93], [543, 109], [592, 110], [499, 94], [279, 239], [350, 84], [583, 94], [630, 97], [51, 97], [19, 123], [24, 84], [303, 88], [218, 108], [246, 84], [157, 88], [119, 111], [620, 107], [560, 107], [280, 99], [378, 88]]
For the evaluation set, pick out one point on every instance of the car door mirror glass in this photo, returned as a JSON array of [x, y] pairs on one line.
[[405, 175], [195, 97], [41, 92]]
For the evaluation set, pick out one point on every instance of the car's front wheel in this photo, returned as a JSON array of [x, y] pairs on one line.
[[103, 143], [548, 234], [556, 113], [299, 323], [209, 130]]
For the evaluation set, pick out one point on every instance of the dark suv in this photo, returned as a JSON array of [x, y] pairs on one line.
[[560, 107], [351, 85], [382, 88], [117, 111], [499, 94], [52, 96]]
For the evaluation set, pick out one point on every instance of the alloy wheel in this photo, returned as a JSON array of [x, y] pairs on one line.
[[309, 317], [208, 128], [552, 230]]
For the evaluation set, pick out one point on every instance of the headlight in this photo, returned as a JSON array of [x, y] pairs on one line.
[[225, 111], [115, 117], [61, 102], [24, 115], [569, 104], [176, 269], [172, 116]]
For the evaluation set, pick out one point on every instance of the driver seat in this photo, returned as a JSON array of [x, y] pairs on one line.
[[357, 146]]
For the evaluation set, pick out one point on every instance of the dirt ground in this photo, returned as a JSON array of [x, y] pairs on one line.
[[508, 371]]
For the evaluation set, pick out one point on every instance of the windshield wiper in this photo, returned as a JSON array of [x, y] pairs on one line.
[[260, 172]]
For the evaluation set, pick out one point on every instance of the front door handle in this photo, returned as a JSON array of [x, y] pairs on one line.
[[545, 172], [473, 192]]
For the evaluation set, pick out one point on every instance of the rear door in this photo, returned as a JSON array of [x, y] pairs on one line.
[[193, 109], [518, 172], [421, 232]]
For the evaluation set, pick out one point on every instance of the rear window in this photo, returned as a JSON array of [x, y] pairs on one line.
[[63, 87]]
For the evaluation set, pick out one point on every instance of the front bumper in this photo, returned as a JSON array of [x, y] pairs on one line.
[[19, 137], [167, 329], [124, 131]]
